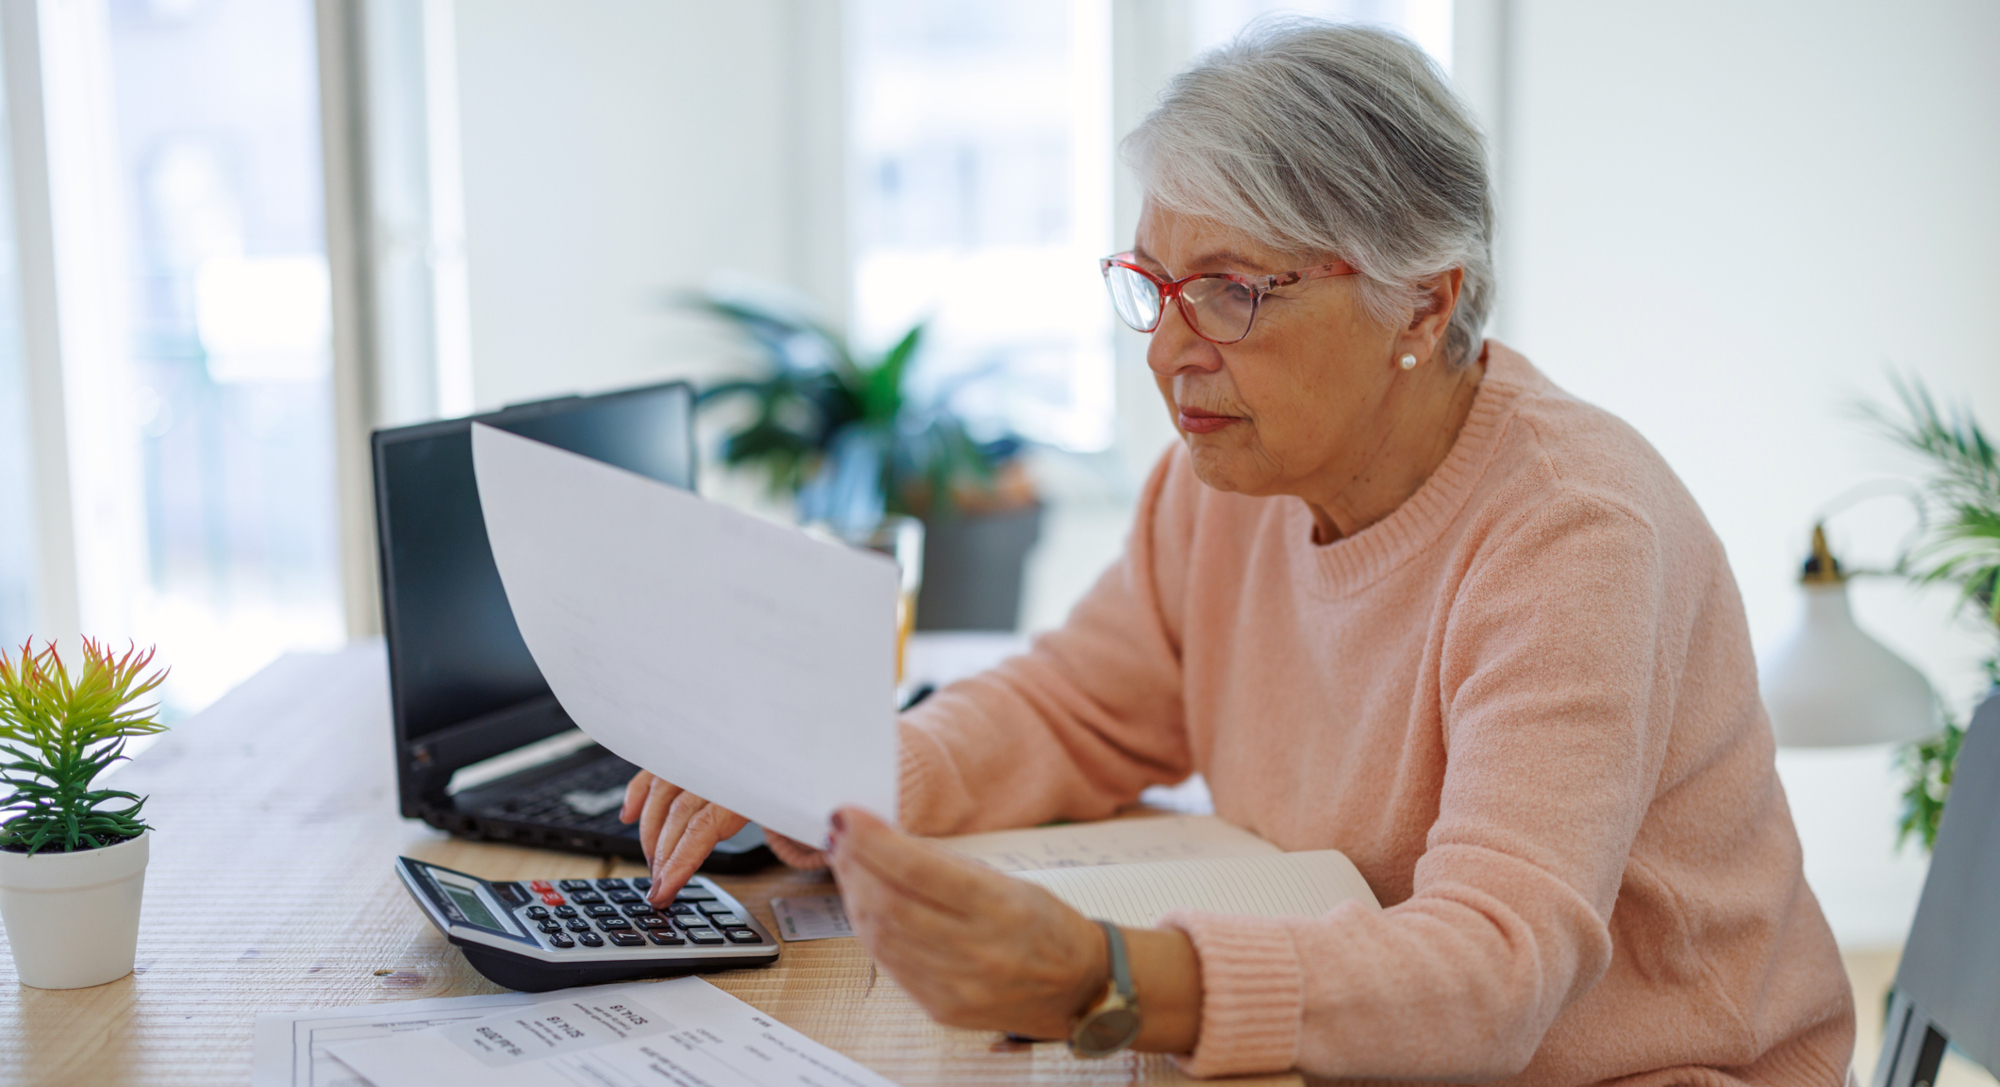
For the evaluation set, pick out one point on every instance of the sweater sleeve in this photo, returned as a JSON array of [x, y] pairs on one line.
[[1557, 669], [1078, 725]]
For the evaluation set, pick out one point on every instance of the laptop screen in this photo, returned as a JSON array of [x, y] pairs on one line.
[[454, 653]]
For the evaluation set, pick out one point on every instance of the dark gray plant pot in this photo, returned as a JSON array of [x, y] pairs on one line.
[[972, 569]]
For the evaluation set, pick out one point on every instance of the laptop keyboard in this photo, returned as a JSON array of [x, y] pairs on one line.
[[586, 798]]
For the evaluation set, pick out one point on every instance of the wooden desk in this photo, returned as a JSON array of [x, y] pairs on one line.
[[270, 888]]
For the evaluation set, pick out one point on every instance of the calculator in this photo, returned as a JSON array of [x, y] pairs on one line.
[[537, 935]]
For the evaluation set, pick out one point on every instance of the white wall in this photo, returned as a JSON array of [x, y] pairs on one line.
[[619, 151], [1722, 221]]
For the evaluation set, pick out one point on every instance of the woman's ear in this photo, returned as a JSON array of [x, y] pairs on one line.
[[1438, 297]]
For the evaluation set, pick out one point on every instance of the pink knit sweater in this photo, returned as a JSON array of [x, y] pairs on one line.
[[1523, 704]]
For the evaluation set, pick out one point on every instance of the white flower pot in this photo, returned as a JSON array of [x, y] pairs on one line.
[[73, 918]]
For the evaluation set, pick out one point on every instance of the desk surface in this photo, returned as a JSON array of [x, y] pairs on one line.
[[270, 888]]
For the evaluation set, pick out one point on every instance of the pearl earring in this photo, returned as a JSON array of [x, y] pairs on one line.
[[1409, 362]]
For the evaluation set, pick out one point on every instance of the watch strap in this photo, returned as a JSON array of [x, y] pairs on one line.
[[1121, 968], [1112, 1023]]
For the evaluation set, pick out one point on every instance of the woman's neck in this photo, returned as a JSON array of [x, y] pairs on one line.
[[1417, 430]]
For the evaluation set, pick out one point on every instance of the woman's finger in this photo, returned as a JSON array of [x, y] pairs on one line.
[[794, 853], [673, 823], [707, 826], [953, 883], [635, 796], [654, 814]]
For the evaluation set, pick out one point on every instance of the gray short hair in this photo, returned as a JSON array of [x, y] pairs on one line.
[[1316, 138]]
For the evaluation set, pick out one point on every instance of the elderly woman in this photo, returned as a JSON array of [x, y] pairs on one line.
[[1393, 593]]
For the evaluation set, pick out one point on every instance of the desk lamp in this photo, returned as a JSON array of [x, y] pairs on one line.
[[1830, 684]]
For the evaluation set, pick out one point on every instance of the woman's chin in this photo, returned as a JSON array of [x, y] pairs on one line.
[[1219, 468]]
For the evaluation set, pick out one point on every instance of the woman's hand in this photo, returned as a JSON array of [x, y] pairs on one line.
[[678, 829], [975, 948]]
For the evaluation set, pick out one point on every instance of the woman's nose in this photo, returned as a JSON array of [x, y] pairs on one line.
[[1175, 348]]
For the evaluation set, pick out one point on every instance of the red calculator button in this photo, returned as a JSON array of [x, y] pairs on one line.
[[541, 887], [552, 899]]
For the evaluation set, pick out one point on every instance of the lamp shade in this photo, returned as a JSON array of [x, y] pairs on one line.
[[1830, 684]]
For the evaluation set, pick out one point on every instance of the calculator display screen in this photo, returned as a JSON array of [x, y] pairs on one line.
[[471, 903]]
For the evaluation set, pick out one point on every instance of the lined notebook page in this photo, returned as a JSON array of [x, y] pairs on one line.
[[1272, 885], [1112, 841]]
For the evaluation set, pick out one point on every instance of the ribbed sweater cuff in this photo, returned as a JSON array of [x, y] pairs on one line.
[[1252, 993]]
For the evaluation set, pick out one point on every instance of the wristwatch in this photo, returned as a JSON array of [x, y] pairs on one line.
[[1112, 1023]]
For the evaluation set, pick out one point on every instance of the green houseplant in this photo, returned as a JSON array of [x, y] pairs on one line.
[[843, 434], [1960, 546], [72, 854]]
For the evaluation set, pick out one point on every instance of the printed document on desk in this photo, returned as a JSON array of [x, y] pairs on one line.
[[683, 1031], [290, 1048], [739, 659]]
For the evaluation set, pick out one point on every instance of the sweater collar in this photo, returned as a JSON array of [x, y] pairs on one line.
[[1350, 564]]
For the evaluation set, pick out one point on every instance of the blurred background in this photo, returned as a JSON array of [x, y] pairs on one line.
[[242, 233]]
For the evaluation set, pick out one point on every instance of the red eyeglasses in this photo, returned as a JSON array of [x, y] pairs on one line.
[[1218, 306]]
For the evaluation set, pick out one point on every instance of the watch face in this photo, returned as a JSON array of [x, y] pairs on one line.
[[1106, 1032]]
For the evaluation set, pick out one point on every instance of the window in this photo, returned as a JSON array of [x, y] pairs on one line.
[[981, 143], [17, 482], [214, 112]]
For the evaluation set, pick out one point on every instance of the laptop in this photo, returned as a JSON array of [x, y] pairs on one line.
[[483, 749]]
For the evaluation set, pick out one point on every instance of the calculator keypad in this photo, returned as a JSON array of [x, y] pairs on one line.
[[592, 913]]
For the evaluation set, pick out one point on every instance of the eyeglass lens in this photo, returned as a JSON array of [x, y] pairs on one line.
[[1220, 309]]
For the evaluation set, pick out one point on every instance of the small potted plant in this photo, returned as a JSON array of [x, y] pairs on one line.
[[72, 857], [842, 435]]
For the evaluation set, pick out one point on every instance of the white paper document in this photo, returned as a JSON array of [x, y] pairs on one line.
[[741, 660], [679, 1033], [291, 1047], [811, 917]]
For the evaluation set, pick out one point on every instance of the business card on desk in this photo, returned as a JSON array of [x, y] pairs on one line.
[[810, 917]]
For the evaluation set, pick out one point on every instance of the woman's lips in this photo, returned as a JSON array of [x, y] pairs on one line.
[[1197, 421]]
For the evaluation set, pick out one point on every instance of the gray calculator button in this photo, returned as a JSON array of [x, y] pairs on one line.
[[723, 919], [702, 934]]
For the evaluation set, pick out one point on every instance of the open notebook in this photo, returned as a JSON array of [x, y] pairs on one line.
[[1130, 871]]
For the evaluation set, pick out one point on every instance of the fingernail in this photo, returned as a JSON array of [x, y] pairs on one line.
[[839, 822]]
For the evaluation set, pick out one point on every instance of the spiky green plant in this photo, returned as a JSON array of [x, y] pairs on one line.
[[1960, 545], [58, 732]]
